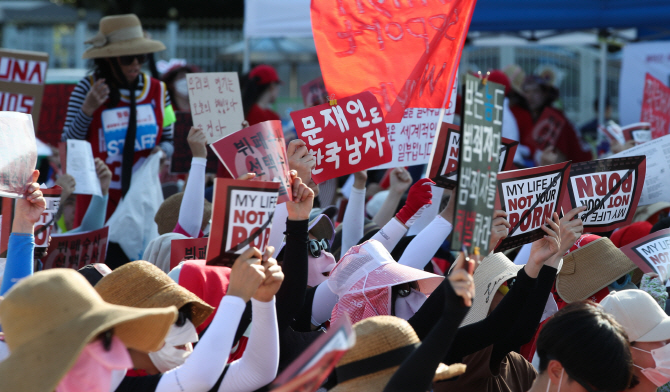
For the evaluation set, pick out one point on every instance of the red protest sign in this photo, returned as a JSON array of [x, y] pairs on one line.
[[406, 53], [548, 128], [340, 135], [243, 211], [638, 132], [529, 196], [77, 250], [610, 188], [258, 149], [656, 106], [22, 77], [18, 153], [651, 253], [187, 249], [314, 92], [46, 222]]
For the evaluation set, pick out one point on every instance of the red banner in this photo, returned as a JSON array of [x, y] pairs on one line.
[[651, 253], [77, 250], [340, 135], [656, 106], [187, 249], [406, 53]]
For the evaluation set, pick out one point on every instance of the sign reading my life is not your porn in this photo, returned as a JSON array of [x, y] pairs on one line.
[[529, 196], [479, 156], [243, 210], [609, 188], [652, 254]]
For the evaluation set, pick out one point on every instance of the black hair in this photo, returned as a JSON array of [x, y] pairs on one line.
[[185, 313], [102, 69], [592, 347], [252, 89], [662, 224]]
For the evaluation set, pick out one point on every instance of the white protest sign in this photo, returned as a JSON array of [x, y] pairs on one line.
[[216, 103], [652, 253], [18, 153], [81, 165]]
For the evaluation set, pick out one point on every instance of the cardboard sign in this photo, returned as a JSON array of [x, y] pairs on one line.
[[45, 224], [339, 136], [181, 158], [243, 211], [639, 132], [18, 153], [314, 93], [187, 249], [529, 196], [77, 250], [610, 188], [307, 372], [652, 254], [216, 103], [81, 165], [479, 155], [22, 76], [258, 149], [548, 128], [656, 106]]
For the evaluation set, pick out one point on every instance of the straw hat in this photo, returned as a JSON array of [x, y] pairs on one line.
[[592, 264], [141, 284], [493, 271], [167, 215], [120, 35], [50, 317], [382, 344]]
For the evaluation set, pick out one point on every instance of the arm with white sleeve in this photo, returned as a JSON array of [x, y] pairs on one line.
[[354, 216], [191, 210]]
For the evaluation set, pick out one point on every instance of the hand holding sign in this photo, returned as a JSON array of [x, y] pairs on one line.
[[545, 248], [572, 228], [461, 280], [29, 209], [419, 197], [499, 228], [104, 175], [246, 275], [300, 159], [273, 277]]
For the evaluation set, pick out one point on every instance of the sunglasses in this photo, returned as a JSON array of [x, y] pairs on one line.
[[316, 246], [106, 338], [183, 315], [127, 60]]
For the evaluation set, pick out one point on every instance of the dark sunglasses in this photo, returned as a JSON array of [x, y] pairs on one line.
[[127, 60], [316, 246], [106, 338], [183, 315]]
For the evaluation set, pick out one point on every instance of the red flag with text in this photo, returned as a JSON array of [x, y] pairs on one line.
[[656, 106]]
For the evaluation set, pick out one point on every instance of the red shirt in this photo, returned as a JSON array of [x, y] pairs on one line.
[[257, 115]]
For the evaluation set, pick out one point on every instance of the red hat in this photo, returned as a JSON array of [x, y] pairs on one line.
[[497, 76], [265, 73], [630, 233]]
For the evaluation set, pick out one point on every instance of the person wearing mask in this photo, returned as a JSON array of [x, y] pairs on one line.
[[259, 92], [177, 86]]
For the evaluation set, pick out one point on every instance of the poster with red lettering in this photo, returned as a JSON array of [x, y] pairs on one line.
[[77, 250], [243, 211], [548, 128], [187, 249], [314, 92], [405, 53], [656, 106], [47, 220], [258, 149], [339, 136], [610, 188], [529, 196], [22, 76], [652, 254], [18, 153]]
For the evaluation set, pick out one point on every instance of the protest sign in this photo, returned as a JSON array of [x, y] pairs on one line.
[[187, 249], [47, 220], [243, 211], [404, 53], [258, 149], [77, 250], [656, 106], [353, 125], [548, 128], [18, 152], [181, 158], [639, 132], [411, 140], [529, 196], [314, 92], [610, 188], [507, 151], [613, 131], [307, 372], [656, 185], [479, 155], [22, 76], [53, 112], [81, 165], [652, 254], [216, 103]]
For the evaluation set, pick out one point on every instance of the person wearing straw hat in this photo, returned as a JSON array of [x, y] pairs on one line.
[[124, 113], [63, 337]]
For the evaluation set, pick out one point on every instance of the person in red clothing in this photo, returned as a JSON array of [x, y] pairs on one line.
[[259, 92]]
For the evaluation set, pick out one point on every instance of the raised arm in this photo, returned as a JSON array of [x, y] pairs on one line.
[[354, 216], [94, 218], [191, 210], [400, 180]]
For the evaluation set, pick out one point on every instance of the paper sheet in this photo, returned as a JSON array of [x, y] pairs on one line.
[[81, 165]]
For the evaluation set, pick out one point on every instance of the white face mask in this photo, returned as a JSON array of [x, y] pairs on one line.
[[170, 357], [180, 87], [659, 375], [405, 307], [559, 382]]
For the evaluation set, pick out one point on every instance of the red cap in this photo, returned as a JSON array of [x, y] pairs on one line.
[[630, 233], [265, 73], [497, 76]]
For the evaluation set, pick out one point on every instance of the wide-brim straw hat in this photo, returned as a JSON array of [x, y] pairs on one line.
[[386, 338], [167, 215], [493, 272], [141, 284], [590, 268], [120, 35], [50, 317]]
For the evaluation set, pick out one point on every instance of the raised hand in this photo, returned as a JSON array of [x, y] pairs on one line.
[[303, 199], [300, 159], [400, 180], [95, 97], [544, 249], [68, 185], [499, 228], [273, 277], [419, 197], [360, 179], [246, 275], [461, 280], [572, 228], [104, 175], [30, 208], [197, 141]]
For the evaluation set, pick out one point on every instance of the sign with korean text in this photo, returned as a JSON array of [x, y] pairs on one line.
[[412, 138], [258, 149], [187, 249], [314, 93], [45, 224], [342, 135], [404, 52], [609, 188], [181, 158], [639, 132], [216, 103], [77, 250], [22, 76], [529, 196], [652, 254], [548, 128], [243, 211], [656, 106], [18, 153], [479, 155]]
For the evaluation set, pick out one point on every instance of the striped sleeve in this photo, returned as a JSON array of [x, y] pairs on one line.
[[76, 122]]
